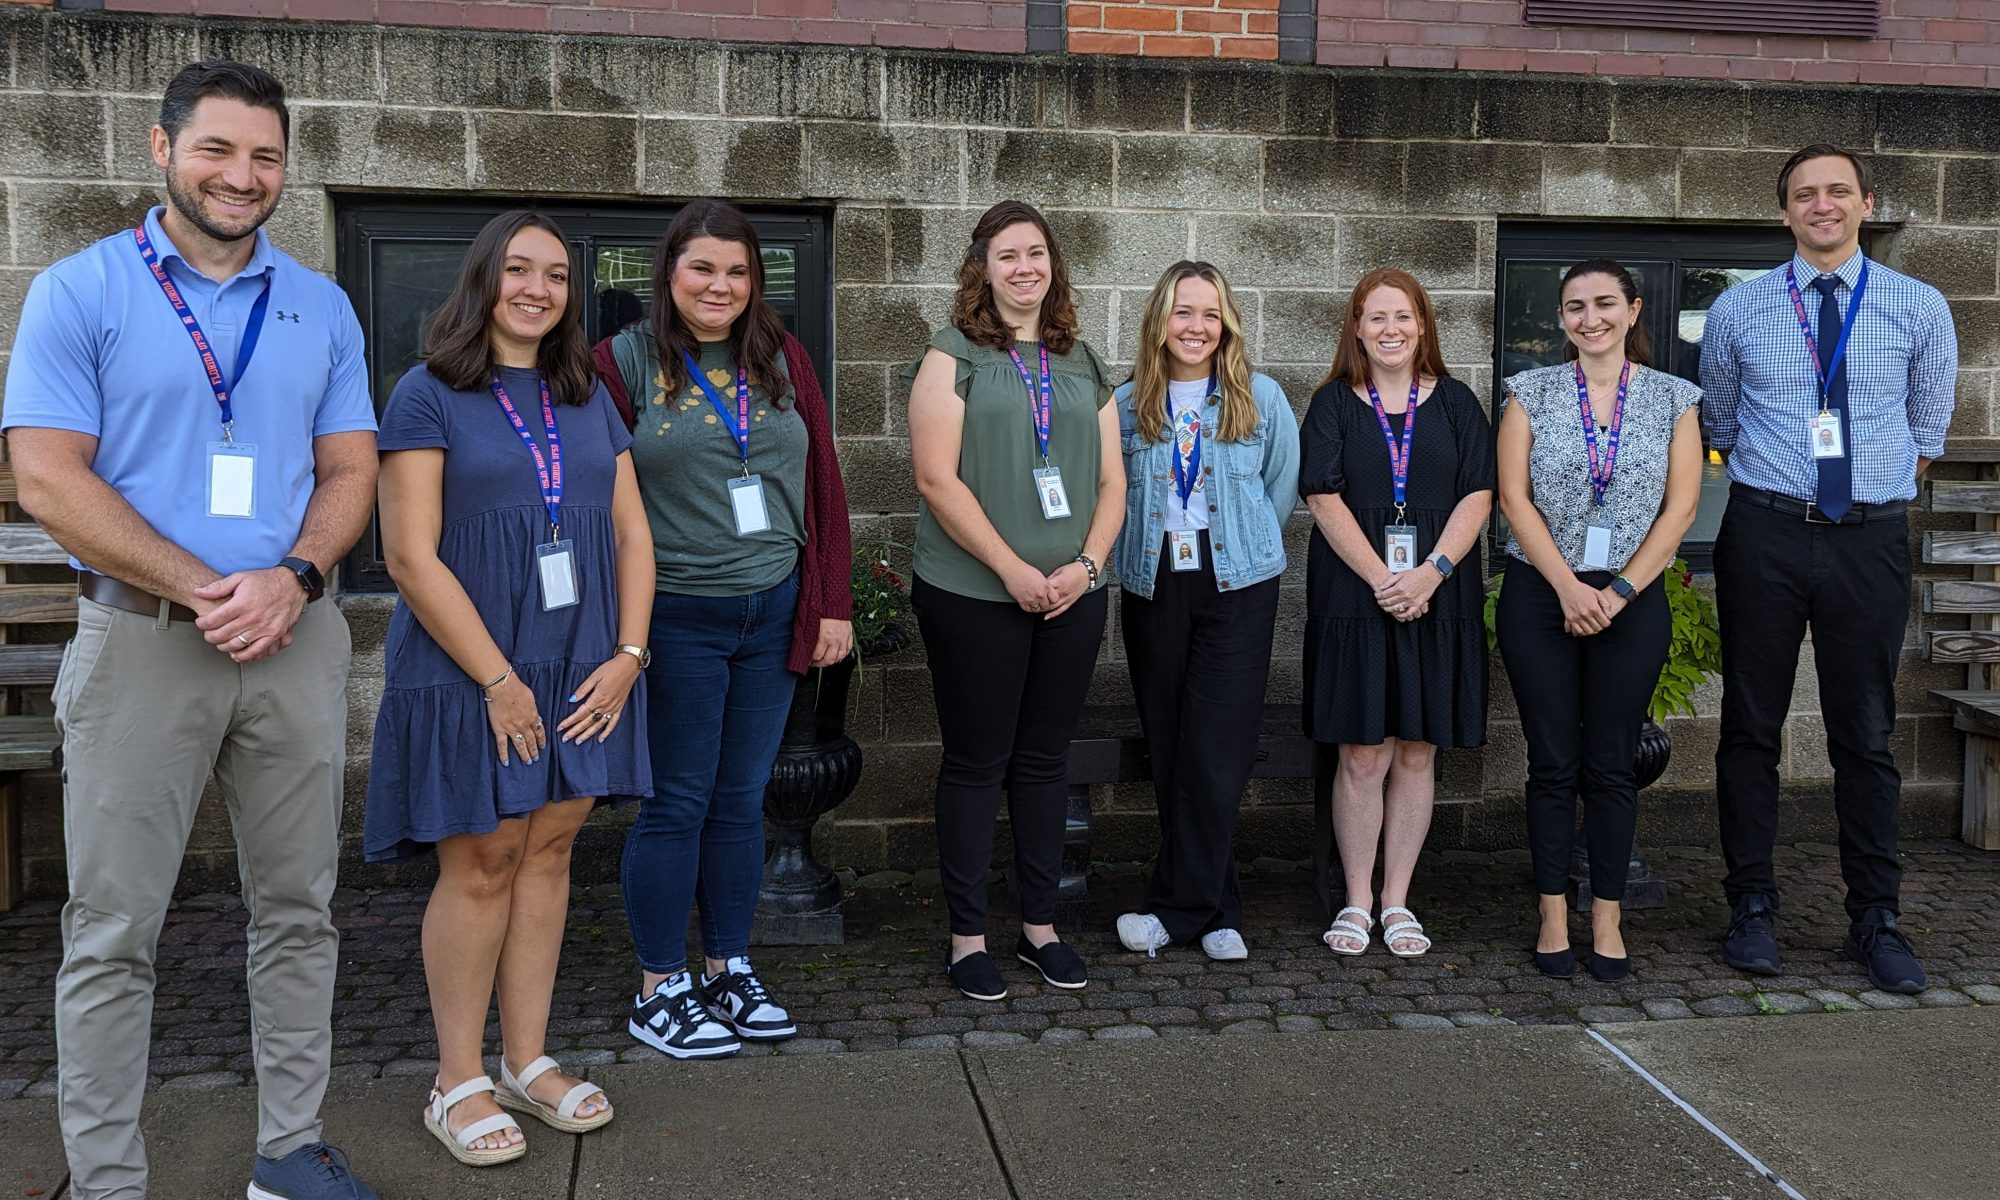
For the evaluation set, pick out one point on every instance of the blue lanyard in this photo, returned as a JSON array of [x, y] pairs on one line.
[[1826, 373], [739, 425], [1399, 462], [1041, 400], [244, 349], [549, 471], [1185, 476], [1600, 474]]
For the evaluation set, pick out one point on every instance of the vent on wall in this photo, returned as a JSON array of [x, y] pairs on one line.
[[1811, 18]]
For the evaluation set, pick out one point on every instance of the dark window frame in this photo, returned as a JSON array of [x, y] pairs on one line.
[[1806, 18], [361, 221]]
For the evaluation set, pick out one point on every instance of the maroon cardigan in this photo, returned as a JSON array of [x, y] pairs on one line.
[[826, 566]]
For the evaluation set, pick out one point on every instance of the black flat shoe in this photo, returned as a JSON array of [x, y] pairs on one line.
[[1556, 964], [977, 977], [1606, 969], [1057, 963]]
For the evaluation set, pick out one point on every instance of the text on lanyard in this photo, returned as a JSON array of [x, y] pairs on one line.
[[1825, 372], [737, 424], [548, 471], [1600, 473], [1399, 460], [244, 349], [1188, 472], [1041, 399]]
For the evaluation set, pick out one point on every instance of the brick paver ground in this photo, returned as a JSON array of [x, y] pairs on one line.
[[884, 988]]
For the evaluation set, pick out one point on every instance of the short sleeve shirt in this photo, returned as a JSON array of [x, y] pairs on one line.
[[1559, 463], [100, 351], [998, 456]]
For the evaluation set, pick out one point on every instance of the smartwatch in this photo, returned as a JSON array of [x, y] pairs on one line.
[[1442, 564], [644, 655], [308, 576], [1623, 587]]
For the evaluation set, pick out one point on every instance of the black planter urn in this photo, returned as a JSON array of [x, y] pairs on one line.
[[1643, 886]]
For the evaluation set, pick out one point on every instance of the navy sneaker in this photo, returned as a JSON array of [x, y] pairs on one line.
[[1876, 943], [1752, 942], [739, 1000], [315, 1172]]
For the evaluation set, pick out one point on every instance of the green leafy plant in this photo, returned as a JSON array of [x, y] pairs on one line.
[[881, 599], [1694, 654]]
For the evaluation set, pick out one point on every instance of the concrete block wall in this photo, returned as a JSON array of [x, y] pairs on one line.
[[1295, 179]]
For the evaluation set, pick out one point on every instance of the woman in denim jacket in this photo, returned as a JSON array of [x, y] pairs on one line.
[[1211, 469]]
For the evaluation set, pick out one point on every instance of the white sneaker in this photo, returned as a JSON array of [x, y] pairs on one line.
[[1224, 945], [1142, 933]]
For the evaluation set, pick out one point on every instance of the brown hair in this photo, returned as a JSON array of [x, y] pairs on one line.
[[972, 310], [1350, 361], [1638, 347], [1238, 417], [458, 343], [1822, 150], [757, 337]]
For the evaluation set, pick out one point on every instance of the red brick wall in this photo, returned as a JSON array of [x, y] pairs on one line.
[[1175, 28], [1940, 42], [991, 25]]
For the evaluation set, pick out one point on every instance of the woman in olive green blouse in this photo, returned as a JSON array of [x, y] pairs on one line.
[[1015, 443]]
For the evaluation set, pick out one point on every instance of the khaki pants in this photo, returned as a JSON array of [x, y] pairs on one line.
[[147, 709]]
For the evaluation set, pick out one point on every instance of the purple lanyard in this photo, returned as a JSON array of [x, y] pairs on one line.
[[244, 349], [549, 471], [1600, 474], [1040, 399], [739, 429], [1826, 373], [1399, 461]]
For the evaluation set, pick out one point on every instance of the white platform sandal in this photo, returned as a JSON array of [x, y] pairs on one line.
[[460, 1143], [1408, 930], [1342, 927], [513, 1094]]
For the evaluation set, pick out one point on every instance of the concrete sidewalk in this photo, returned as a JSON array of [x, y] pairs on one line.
[[1843, 1106]]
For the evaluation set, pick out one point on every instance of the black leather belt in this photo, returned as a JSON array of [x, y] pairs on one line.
[[1809, 512], [118, 594]]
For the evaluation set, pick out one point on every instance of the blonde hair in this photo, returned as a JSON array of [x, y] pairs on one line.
[[1231, 363]]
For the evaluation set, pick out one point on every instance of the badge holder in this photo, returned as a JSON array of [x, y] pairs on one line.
[[232, 479], [1828, 439], [1399, 545], [1184, 549], [1049, 491], [1597, 547], [555, 562], [746, 503]]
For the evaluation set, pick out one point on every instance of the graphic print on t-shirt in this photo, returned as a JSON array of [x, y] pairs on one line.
[[1187, 427]]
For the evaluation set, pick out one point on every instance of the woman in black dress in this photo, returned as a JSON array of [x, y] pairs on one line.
[[1395, 653]]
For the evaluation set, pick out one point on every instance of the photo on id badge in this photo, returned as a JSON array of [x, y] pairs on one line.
[[1826, 438], [1049, 490], [1399, 547]]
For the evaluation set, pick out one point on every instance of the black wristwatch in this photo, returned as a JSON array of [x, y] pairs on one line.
[[308, 576], [1623, 587], [1442, 564]]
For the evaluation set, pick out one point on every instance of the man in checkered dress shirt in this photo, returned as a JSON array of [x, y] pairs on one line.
[[1817, 535]]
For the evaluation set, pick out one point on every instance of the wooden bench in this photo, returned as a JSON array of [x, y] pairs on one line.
[[1975, 709], [27, 743]]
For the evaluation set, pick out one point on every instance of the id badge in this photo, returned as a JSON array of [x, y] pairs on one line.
[[746, 501], [555, 562], [1597, 548], [1184, 549], [1827, 439], [1399, 547], [1049, 490], [232, 480]]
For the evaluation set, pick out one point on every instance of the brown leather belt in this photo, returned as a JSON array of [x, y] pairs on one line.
[[117, 594]]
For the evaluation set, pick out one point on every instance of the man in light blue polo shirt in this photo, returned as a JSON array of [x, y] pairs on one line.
[[188, 414]]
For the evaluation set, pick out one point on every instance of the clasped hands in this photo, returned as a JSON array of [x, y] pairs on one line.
[[1050, 595], [1588, 610], [249, 615], [1407, 595]]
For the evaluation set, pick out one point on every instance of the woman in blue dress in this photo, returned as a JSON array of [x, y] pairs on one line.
[[512, 525]]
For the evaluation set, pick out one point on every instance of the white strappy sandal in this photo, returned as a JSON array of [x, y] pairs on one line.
[[1342, 927], [1409, 930], [513, 1094], [460, 1143]]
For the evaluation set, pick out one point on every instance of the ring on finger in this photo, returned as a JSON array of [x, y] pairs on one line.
[[244, 640]]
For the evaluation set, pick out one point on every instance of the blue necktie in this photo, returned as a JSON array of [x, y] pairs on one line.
[[1836, 475]]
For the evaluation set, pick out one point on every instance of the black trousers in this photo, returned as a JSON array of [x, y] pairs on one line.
[[1582, 700], [1775, 576], [1009, 687], [1200, 658]]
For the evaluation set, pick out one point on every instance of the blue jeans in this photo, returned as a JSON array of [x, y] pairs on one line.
[[717, 696]]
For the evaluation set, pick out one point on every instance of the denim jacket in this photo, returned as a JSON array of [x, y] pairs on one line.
[[1252, 487]]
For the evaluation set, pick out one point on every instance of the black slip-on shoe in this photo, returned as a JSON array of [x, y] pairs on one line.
[[1876, 943], [1057, 963], [1606, 969], [1752, 942], [977, 977], [1556, 964]]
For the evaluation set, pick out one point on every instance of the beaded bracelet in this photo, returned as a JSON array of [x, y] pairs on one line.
[[1090, 567]]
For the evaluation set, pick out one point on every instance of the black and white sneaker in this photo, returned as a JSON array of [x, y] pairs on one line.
[[739, 1000], [674, 1021]]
